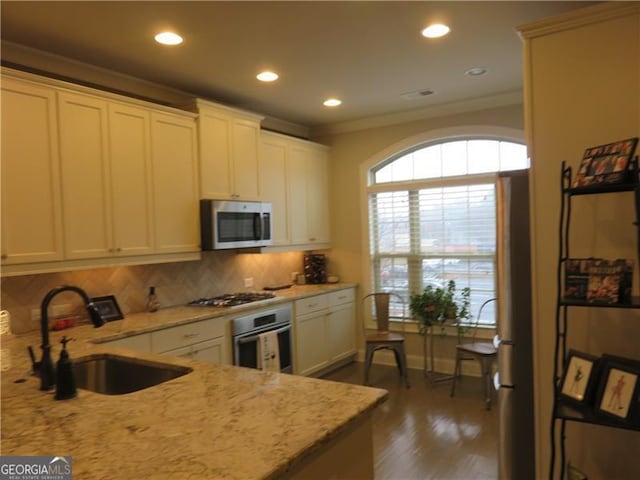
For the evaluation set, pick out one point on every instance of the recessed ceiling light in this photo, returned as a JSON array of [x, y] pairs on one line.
[[168, 38], [267, 76], [331, 102], [435, 30], [476, 71]]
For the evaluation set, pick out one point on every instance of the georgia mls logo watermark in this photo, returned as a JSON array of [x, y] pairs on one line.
[[35, 468]]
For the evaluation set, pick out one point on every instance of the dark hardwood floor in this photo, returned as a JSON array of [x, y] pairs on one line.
[[422, 433]]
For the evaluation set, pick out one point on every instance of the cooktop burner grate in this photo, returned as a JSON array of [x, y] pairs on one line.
[[231, 299]]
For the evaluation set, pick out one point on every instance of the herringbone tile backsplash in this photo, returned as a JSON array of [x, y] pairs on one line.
[[176, 283]]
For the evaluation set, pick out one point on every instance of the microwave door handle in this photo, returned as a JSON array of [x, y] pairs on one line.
[[257, 226]]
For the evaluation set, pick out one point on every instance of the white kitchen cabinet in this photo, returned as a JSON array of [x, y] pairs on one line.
[[31, 198], [211, 351], [130, 172], [204, 340], [294, 178], [175, 183], [273, 184], [342, 328], [324, 330], [141, 342], [92, 179], [85, 175], [229, 143]]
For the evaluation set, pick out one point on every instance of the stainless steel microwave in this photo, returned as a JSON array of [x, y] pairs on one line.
[[234, 224]]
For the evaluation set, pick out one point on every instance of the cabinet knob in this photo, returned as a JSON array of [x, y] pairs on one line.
[[4, 256], [312, 239], [118, 249], [191, 335]]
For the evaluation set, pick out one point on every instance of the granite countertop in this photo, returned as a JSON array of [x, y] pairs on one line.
[[218, 421]]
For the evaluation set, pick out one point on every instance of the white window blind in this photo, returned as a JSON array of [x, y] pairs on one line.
[[426, 229]]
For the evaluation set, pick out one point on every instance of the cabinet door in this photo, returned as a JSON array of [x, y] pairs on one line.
[[311, 343], [175, 189], [211, 351], [318, 197], [129, 142], [342, 332], [85, 176], [31, 205], [273, 184], [297, 168], [215, 154], [244, 146]]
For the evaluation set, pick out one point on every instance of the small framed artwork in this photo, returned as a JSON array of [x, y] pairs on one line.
[[619, 390], [579, 377], [108, 308]]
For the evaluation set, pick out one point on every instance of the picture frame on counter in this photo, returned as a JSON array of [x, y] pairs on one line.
[[619, 390], [579, 378], [108, 308]]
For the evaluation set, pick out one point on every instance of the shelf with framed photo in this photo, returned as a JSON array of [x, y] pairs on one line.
[[600, 391]]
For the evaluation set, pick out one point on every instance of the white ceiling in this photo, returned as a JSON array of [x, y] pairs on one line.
[[366, 53]]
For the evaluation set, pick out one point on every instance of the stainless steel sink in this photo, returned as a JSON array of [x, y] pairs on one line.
[[115, 375]]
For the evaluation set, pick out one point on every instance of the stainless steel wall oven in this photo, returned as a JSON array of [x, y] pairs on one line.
[[246, 331]]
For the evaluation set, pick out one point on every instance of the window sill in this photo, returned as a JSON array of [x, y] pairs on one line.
[[484, 333]]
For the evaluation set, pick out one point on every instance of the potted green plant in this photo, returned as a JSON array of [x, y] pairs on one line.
[[439, 305]]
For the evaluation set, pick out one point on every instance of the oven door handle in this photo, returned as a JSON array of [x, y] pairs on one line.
[[253, 338]]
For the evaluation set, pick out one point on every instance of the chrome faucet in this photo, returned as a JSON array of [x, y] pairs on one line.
[[47, 372]]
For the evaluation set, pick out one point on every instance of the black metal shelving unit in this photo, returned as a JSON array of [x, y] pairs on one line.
[[564, 412]]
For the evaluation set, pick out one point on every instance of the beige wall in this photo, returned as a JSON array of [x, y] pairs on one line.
[[574, 99], [349, 151]]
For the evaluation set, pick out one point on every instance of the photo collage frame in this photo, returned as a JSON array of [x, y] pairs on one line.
[[606, 164]]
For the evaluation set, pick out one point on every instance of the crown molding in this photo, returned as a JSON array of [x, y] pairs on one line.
[[578, 18], [434, 111]]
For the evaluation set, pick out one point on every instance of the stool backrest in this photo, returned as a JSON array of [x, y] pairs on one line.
[[380, 310]]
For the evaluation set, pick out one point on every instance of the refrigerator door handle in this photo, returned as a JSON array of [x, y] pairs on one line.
[[505, 359]]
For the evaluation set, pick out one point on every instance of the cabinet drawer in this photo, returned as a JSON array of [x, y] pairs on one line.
[[312, 304], [135, 342], [342, 296], [184, 335]]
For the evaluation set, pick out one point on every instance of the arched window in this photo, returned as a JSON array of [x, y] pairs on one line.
[[432, 217]]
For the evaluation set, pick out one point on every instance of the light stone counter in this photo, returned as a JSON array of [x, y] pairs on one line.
[[217, 422]]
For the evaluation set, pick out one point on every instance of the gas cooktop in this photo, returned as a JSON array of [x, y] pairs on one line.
[[231, 299]]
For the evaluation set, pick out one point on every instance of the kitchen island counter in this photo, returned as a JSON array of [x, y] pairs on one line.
[[217, 422]]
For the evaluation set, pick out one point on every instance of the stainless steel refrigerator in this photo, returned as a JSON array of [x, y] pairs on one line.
[[514, 379]]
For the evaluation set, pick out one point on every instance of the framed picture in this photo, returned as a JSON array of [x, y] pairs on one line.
[[579, 377], [619, 390], [606, 164], [108, 308]]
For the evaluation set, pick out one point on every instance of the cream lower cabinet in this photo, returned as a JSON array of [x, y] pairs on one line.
[[294, 178], [229, 142], [31, 198], [204, 340], [325, 330]]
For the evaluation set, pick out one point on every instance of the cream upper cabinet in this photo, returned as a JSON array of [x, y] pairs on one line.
[[273, 184], [130, 167], [85, 175], [308, 194], [294, 178], [106, 182], [93, 179], [229, 144], [31, 202], [175, 187]]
